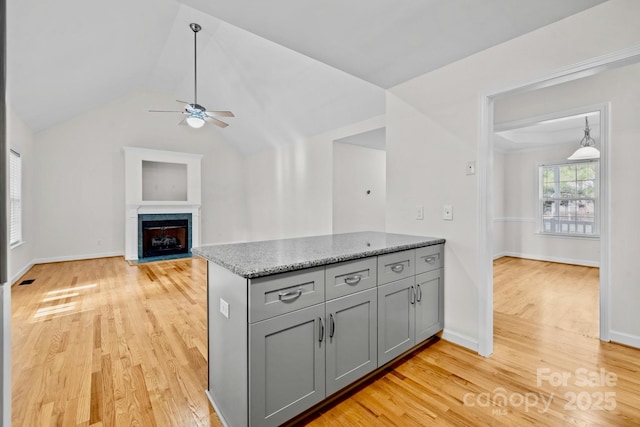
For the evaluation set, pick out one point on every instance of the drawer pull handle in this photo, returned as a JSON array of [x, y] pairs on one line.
[[419, 293], [353, 280], [289, 296], [430, 259], [332, 325], [397, 268], [321, 332], [412, 295]]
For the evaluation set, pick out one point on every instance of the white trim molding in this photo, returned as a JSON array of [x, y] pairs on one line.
[[460, 339], [538, 257], [513, 219], [626, 339]]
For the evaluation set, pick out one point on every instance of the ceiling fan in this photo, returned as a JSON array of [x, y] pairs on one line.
[[196, 114]]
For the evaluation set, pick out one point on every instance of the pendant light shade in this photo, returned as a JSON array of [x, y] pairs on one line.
[[587, 148]]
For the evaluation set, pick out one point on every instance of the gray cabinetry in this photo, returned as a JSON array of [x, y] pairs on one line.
[[281, 343], [396, 319], [429, 304], [351, 349], [286, 365], [410, 310], [396, 266]]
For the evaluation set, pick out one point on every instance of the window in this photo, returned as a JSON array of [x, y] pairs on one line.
[[15, 198], [569, 198]]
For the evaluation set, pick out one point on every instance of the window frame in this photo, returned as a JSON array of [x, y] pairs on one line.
[[15, 199], [541, 200]]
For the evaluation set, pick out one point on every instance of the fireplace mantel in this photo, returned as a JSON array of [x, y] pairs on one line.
[[136, 205]]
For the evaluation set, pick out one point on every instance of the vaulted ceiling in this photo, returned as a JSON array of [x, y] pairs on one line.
[[287, 68]]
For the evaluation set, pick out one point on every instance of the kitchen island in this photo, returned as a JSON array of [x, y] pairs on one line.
[[293, 321]]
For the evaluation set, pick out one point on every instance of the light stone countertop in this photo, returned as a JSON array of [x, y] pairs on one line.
[[255, 259]]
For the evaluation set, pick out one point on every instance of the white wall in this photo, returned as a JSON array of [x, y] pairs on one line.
[[356, 170], [80, 177], [289, 188], [498, 204], [21, 139], [433, 129], [520, 203]]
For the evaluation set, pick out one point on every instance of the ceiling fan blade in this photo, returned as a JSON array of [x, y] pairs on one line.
[[183, 122], [183, 102], [165, 111], [220, 113], [217, 122]]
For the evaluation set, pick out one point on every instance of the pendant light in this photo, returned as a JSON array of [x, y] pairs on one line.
[[587, 148]]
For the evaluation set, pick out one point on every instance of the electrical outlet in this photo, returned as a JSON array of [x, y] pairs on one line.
[[447, 212], [420, 212], [224, 308]]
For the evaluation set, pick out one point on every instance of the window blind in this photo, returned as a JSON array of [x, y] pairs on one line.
[[15, 198]]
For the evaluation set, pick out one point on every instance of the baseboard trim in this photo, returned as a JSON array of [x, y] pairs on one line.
[[582, 262], [626, 339], [460, 339], [223, 421], [76, 257], [21, 273]]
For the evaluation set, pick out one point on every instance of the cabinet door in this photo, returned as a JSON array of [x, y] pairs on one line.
[[286, 365], [429, 304], [351, 338], [396, 319]]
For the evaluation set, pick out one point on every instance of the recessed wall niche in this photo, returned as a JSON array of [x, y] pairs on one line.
[[163, 181]]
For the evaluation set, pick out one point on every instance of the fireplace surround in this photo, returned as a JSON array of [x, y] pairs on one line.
[[161, 185]]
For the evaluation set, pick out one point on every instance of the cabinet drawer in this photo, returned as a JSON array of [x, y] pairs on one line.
[[396, 266], [281, 293], [350, 276], [429, 258]]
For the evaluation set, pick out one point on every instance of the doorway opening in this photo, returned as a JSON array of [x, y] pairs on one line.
[[359, 182], [546, 215]]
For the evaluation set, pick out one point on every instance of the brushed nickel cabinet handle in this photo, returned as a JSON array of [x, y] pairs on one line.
[[430, 259], [289, 295], [397, 268], [332, 325], [412, 295], [321, 333], [419, 293], [353, 280]]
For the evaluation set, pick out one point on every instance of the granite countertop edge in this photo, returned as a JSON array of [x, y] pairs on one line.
[[248, 273]]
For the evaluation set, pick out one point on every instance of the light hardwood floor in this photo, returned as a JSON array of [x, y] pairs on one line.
[[104, 343]]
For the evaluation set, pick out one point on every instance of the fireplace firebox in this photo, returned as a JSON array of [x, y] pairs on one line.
[[164, 236]]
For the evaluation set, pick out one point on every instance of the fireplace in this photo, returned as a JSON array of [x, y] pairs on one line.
[[164, 236]]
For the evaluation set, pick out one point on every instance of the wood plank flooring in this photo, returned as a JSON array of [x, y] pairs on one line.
[[104, 343]]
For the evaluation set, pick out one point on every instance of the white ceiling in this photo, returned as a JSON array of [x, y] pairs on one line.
[[375, 139], [556, 132], [287, 68]]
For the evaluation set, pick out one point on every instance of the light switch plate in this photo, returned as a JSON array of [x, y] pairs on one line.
[[420, 212], [447, 212]]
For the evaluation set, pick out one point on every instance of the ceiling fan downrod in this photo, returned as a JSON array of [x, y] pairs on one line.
[[195, 28]]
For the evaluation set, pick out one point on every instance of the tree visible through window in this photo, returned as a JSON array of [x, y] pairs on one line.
[[569, 198], [15, 198]]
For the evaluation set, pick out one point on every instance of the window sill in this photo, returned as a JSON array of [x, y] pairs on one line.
[[569, 236], [17, 244]]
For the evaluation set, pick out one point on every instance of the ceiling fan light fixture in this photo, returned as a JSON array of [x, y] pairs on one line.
[[196, 114], [195, 121], [587, 148]]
